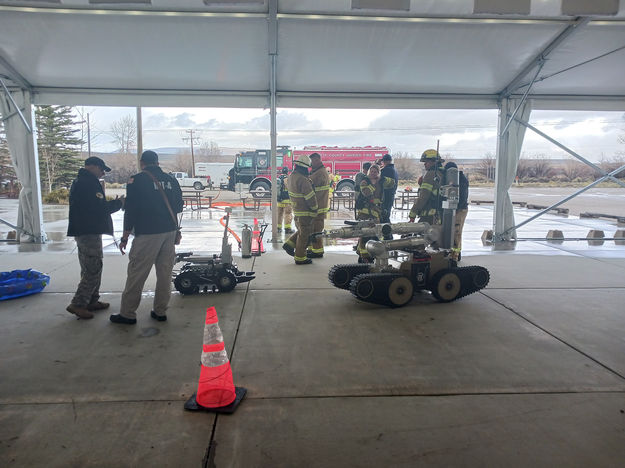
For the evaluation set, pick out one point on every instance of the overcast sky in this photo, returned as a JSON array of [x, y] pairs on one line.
[[462, 133]]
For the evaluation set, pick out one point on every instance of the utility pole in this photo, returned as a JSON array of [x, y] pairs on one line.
[[191, 138], [139, 137], [88, 136]]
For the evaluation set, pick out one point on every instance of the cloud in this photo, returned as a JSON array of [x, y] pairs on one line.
[[462, 133], [184, 120]]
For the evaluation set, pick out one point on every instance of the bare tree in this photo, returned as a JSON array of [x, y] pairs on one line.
[[406, 165], [123, 166], [576, 170], [208, 151], [182, 163], [611, 164], [541, 167], [486, 166], [523, 169], [124, 133]]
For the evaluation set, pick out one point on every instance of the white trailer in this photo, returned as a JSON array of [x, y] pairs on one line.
[[217, 172]]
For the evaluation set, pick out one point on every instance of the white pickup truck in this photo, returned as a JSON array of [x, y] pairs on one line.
[[198, 183]]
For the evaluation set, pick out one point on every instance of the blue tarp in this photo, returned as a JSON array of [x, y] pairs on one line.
[[19, 283]]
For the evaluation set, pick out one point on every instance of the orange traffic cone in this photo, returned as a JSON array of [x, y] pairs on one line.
[[256, 239], [216, 391]]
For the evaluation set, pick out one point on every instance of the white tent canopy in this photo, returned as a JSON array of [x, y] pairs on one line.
[[317, 53]]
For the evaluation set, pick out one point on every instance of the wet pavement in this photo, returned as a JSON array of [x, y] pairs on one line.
[[526, 372], [202, 231]]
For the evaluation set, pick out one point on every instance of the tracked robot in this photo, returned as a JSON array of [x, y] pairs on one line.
[[213, 273], [423, 255]]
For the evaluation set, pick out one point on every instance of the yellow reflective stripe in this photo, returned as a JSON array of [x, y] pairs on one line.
[[322, 188], [295, 195], [428, 187], [389, 182], [305, 213], [309, 195], [313, 250], [299, 259], [323, 210], [290, 243], [367, 188]]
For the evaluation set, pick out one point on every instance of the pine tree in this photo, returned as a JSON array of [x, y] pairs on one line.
[[58, 145], [7, 171]]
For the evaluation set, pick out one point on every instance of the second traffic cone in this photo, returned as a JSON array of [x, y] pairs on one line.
[[256, 239], [216, 391]]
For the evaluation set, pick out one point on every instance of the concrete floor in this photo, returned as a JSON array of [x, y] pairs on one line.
[[528, 372]]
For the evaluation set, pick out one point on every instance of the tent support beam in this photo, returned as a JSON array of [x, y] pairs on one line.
[[273, 64], [553, 45], [523, 99], [564, 200], [573, 153], [604, 176], [17, 108], [14, 75]]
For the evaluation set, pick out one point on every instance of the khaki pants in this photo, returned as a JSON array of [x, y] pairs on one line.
[[299, 238], [461, 215], [285, 212], [90, 259], [147, 250], [317, 226]]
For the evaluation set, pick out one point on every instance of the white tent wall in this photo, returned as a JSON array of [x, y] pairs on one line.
[[509, 144], [23, 148]]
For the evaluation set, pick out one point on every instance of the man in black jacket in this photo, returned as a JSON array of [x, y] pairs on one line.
[[389, 194], [153, 199], [89, 218]]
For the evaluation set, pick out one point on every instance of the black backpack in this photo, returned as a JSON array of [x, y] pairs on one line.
[[283, 192], [463, 191]]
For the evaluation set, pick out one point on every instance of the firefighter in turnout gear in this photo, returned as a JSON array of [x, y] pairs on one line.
[[427, 206], [321, 183], [369, 206], [304, 201], [285, 210]]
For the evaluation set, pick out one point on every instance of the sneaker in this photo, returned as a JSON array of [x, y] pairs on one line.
[[288, 231], [308, 261], [160, 318], [288, 249], [80, 312], [116, 318], [98, 305], [314, 255]]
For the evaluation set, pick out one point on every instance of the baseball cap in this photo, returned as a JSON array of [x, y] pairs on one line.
[[387, 157], [95, 161], [149, 157]]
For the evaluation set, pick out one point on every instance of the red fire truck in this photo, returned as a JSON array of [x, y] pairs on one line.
[[254, 167]]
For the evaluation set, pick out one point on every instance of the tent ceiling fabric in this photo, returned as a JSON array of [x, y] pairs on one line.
[[437, 54]]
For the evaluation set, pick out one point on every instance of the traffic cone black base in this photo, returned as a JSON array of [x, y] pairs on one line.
[[193, 405]]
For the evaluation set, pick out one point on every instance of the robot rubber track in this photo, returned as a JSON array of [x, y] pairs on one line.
[[342, 275], [396, 290]]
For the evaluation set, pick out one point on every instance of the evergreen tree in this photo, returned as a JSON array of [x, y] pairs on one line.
[[7, 171], [58, 145]]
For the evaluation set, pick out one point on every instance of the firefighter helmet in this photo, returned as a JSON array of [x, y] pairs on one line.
[[285, 170], [430, 155], [303, 160]]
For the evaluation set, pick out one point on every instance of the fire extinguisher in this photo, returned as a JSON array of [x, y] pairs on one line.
[[246, 241]]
